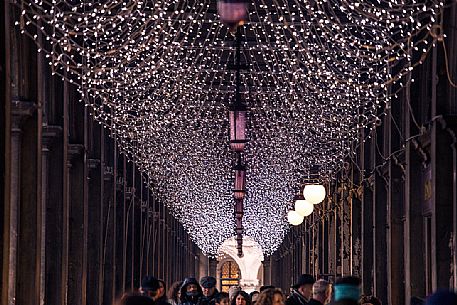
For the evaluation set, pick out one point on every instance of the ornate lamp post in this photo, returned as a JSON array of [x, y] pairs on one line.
[[239, 193], [237, 117], [233, 12]]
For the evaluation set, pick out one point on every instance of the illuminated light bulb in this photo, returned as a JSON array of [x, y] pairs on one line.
[[314, 193], [304, 208], [294, 218]]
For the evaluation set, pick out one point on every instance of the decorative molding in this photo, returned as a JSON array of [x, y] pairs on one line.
[[108, 172], [93, 163], [74, 150], [49, 135], [20, 111]]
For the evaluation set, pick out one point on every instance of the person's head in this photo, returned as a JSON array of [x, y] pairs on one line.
[[150, 286], [208, 284], [173, 291], [254, 295], [322, 291], [135, 299], [369, 300], [190, 290], [262, 288], [442, 297], [241, 298], [162, 289], [347, 289], [222, 298], [232, 291], [304, 285], [271, 296]]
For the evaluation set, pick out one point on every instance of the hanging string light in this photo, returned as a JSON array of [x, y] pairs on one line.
[[156, 73]]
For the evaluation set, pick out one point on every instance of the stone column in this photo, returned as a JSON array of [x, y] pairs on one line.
[[49, 134], [20, 111], [73, 264]]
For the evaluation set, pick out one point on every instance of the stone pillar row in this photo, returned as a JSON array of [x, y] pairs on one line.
[[81, 222], [391, 213]]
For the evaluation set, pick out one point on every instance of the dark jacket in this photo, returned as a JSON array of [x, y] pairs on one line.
[[314, 302], [162, 301], [210, 300], [198, 300], [344, 302], [296, 298]]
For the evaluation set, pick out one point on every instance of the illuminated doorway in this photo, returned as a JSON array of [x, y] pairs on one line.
[[230, 275]]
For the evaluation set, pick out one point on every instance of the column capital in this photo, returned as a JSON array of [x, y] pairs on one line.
[[20, 111], [49, 135], [108, 172], [93, 163], [74, 150]]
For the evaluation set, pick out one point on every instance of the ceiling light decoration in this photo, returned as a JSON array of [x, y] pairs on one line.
[[156, 73], [303, 207], [294, 218], [314, 193]]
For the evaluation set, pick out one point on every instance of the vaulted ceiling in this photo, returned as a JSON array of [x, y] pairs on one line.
[[158, 74]]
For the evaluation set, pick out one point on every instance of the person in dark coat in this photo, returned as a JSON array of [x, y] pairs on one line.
[[208, 284], [150, 286], [347, 291], [322, 293], [135, 299], [191, 293], [442, 297], [302, 290]]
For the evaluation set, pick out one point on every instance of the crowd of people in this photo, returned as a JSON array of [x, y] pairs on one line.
[[306, 291]]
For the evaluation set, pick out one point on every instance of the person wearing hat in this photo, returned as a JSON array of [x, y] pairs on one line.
[[347, 291], [191, 293], [150, 286], [302, 290], [208, 284]]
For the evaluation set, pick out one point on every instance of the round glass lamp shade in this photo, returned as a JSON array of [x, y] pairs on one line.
[[294, 218], [314, 193], [304, 208]]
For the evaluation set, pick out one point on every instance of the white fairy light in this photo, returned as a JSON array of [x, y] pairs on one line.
[[156, 73]]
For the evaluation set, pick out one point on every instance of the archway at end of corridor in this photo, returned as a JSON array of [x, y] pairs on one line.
[[245, 271]]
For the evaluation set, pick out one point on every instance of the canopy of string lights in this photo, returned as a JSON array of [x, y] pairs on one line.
[[157, 74]]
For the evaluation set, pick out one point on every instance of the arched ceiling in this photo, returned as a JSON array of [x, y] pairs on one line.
[[157, 73]]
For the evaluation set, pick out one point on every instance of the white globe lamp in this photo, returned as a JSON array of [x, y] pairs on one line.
[[294, 218], [304, 208], [314, 193]]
